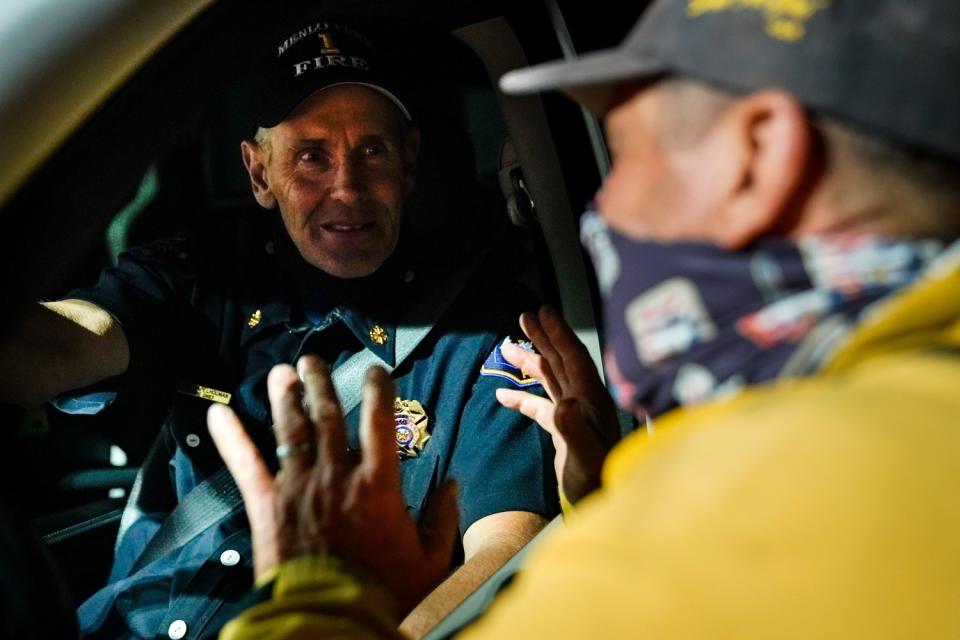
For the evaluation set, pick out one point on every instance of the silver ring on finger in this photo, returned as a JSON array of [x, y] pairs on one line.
[[290, 449]]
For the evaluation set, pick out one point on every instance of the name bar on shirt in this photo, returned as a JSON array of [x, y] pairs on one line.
[[205, 393]]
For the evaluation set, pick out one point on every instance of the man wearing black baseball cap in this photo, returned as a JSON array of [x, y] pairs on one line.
[[775, 245], [330, 274]]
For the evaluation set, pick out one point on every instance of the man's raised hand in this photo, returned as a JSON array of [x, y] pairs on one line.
[[578, 413], [325, 502]]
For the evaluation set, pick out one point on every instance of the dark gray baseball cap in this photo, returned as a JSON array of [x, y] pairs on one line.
[[889, 66], [314, 54]]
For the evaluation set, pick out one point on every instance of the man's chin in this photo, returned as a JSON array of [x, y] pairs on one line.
[[347, 269]]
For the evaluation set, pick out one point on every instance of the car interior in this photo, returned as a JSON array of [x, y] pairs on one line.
[[155, 152]]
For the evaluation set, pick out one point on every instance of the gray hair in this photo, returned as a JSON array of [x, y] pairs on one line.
[[262, 138], [927, 185]]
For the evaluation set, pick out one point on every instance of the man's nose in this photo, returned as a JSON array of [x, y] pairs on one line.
[[348, 185]]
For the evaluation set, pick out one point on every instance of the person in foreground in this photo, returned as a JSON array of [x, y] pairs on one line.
[[782, 306], [329, 269]]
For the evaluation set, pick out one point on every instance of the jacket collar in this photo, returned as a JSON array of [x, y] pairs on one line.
[[927, 312], [289, 293]]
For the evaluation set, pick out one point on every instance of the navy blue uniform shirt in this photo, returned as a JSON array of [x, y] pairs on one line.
[[198, 318]]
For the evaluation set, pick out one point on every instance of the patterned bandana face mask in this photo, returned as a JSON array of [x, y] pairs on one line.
[[686, 322]]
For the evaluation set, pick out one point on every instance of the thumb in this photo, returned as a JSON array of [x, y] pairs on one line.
[[238, 452], [438, 527], [253, 479]]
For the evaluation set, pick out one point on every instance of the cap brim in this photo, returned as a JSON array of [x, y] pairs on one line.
[[277, 110], [588, 79], [386, 94]]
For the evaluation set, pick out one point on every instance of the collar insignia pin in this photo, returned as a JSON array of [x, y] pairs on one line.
[[379, 335], [255, 319]]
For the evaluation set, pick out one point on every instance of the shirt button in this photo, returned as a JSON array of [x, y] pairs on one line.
[[229, 558], [193, 440], [177, 630]]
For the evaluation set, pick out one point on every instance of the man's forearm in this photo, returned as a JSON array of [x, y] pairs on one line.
[[56, 346], [452, 591], [316, 597], [489, 543]]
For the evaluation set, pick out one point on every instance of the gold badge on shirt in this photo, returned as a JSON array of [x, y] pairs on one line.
[[410, 425]]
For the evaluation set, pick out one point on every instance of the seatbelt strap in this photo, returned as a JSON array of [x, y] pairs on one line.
[[218, 496], [206, 504]]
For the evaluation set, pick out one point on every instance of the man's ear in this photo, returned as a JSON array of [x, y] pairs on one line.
[[411, 147], [770, 140], [253, 160]]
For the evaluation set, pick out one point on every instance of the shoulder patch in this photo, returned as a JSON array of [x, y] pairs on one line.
[[497, 365]]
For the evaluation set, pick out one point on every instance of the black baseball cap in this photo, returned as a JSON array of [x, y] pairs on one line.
[[315, 54], [888, 66]]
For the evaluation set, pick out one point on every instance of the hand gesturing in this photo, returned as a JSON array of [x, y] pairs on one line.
[[579, 414], [324, 502]]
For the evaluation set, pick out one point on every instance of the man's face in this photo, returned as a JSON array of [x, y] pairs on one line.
[[339, 168], [659, 187]]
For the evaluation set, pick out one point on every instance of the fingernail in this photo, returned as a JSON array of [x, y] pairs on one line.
[[307, 362], [216, 416], [214, 409], [302, 367]]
